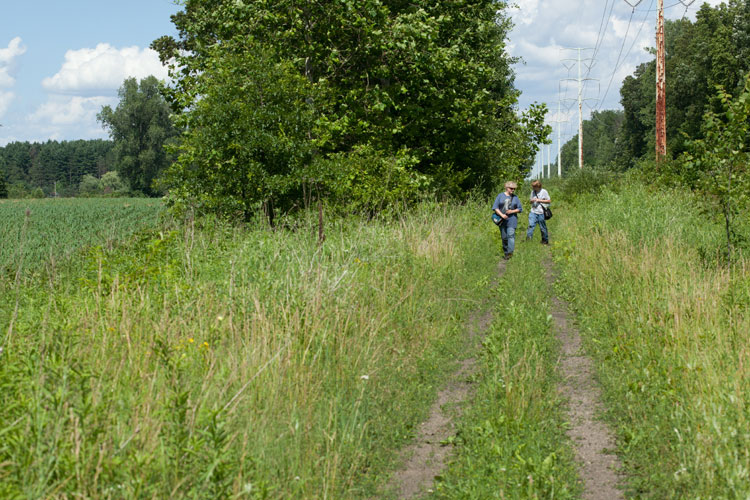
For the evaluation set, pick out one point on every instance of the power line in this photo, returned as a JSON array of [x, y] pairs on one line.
[[624, 39]]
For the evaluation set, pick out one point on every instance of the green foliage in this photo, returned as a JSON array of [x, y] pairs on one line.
[[89, 185], [428, 84], [245, 140], [53, 166], [112, 184], [712, 50], [601, 147], [586, 181], [3, 185], [140, 127], [719, 164]]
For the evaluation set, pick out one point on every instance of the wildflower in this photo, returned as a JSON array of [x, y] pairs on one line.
[[220, 317], [365, 377], [205, 344], [191, 340]]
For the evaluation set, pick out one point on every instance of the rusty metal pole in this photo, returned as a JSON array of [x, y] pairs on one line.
[[661, 101]]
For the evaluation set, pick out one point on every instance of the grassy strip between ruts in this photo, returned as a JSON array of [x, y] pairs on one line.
[[219, 362], [668, 325], [511, 441]]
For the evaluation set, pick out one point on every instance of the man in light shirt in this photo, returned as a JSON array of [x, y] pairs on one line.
[[538, 197]]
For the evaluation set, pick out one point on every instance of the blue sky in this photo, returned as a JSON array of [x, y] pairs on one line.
[[60, 62]]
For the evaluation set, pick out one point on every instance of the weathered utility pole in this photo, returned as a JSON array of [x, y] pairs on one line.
[[661, 100]]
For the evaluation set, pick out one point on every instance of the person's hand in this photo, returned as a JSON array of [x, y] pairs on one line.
[[504, 216]]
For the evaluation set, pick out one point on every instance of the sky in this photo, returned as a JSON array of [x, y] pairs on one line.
[[60, 62]]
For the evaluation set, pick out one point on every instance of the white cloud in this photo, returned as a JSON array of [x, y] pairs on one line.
[[103, 69], [70, 110], [7, 61], [5, 99], [526, 12]]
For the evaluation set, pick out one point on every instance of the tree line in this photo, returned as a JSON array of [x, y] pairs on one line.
[[43, 169], [361, 104]]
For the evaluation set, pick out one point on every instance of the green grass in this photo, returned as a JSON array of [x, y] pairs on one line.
[[38, 234], [219, 362], [511, 441], [667, 323]]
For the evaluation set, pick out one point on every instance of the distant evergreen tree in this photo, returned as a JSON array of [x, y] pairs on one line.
[[3, 184]]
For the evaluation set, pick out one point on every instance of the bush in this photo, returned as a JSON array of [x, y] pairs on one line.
[[587, 181], [89, 185]]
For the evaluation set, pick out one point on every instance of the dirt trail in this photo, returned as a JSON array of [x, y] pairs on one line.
[[426, 456], [591, 437]]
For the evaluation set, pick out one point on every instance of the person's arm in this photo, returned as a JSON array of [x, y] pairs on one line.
[[541, 200], [496, 207], [516, 210]]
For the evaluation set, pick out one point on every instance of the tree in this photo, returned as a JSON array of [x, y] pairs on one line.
[[601, 144], [89, 185], [713, 50], [112, 184], [415, 93], [3, 183], [140, 127], [720, 163]]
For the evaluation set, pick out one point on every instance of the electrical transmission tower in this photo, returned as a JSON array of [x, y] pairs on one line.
[[559, 121], [569, 63]]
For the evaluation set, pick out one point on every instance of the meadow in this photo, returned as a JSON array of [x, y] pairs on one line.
[[666, 320], [146, 357], [202, 360]]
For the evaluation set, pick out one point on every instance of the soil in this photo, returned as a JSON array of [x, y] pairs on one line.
[[425, 457], [590, 436]]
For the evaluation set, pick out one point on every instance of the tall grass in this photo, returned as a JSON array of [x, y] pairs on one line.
[[218, 362], [668, 325]]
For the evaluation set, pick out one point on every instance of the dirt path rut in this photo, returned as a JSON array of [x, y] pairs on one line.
[[591, 437], [426, 456]]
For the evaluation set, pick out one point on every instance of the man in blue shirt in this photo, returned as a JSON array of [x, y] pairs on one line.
[[504, 214]]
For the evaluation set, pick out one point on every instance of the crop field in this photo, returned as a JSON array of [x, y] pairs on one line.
[[36, 233]]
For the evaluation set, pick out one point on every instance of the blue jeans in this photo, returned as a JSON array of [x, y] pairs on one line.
[[509, 238], [535, 219]]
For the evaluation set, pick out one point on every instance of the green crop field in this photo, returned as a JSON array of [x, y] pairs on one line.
[[34, 233]]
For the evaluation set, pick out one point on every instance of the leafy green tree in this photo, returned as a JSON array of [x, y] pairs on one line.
[[713, 50], [720, 162], [419, 93], [140, 127], [89, 185], [601, 146], [245, 141], [112, 184]]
